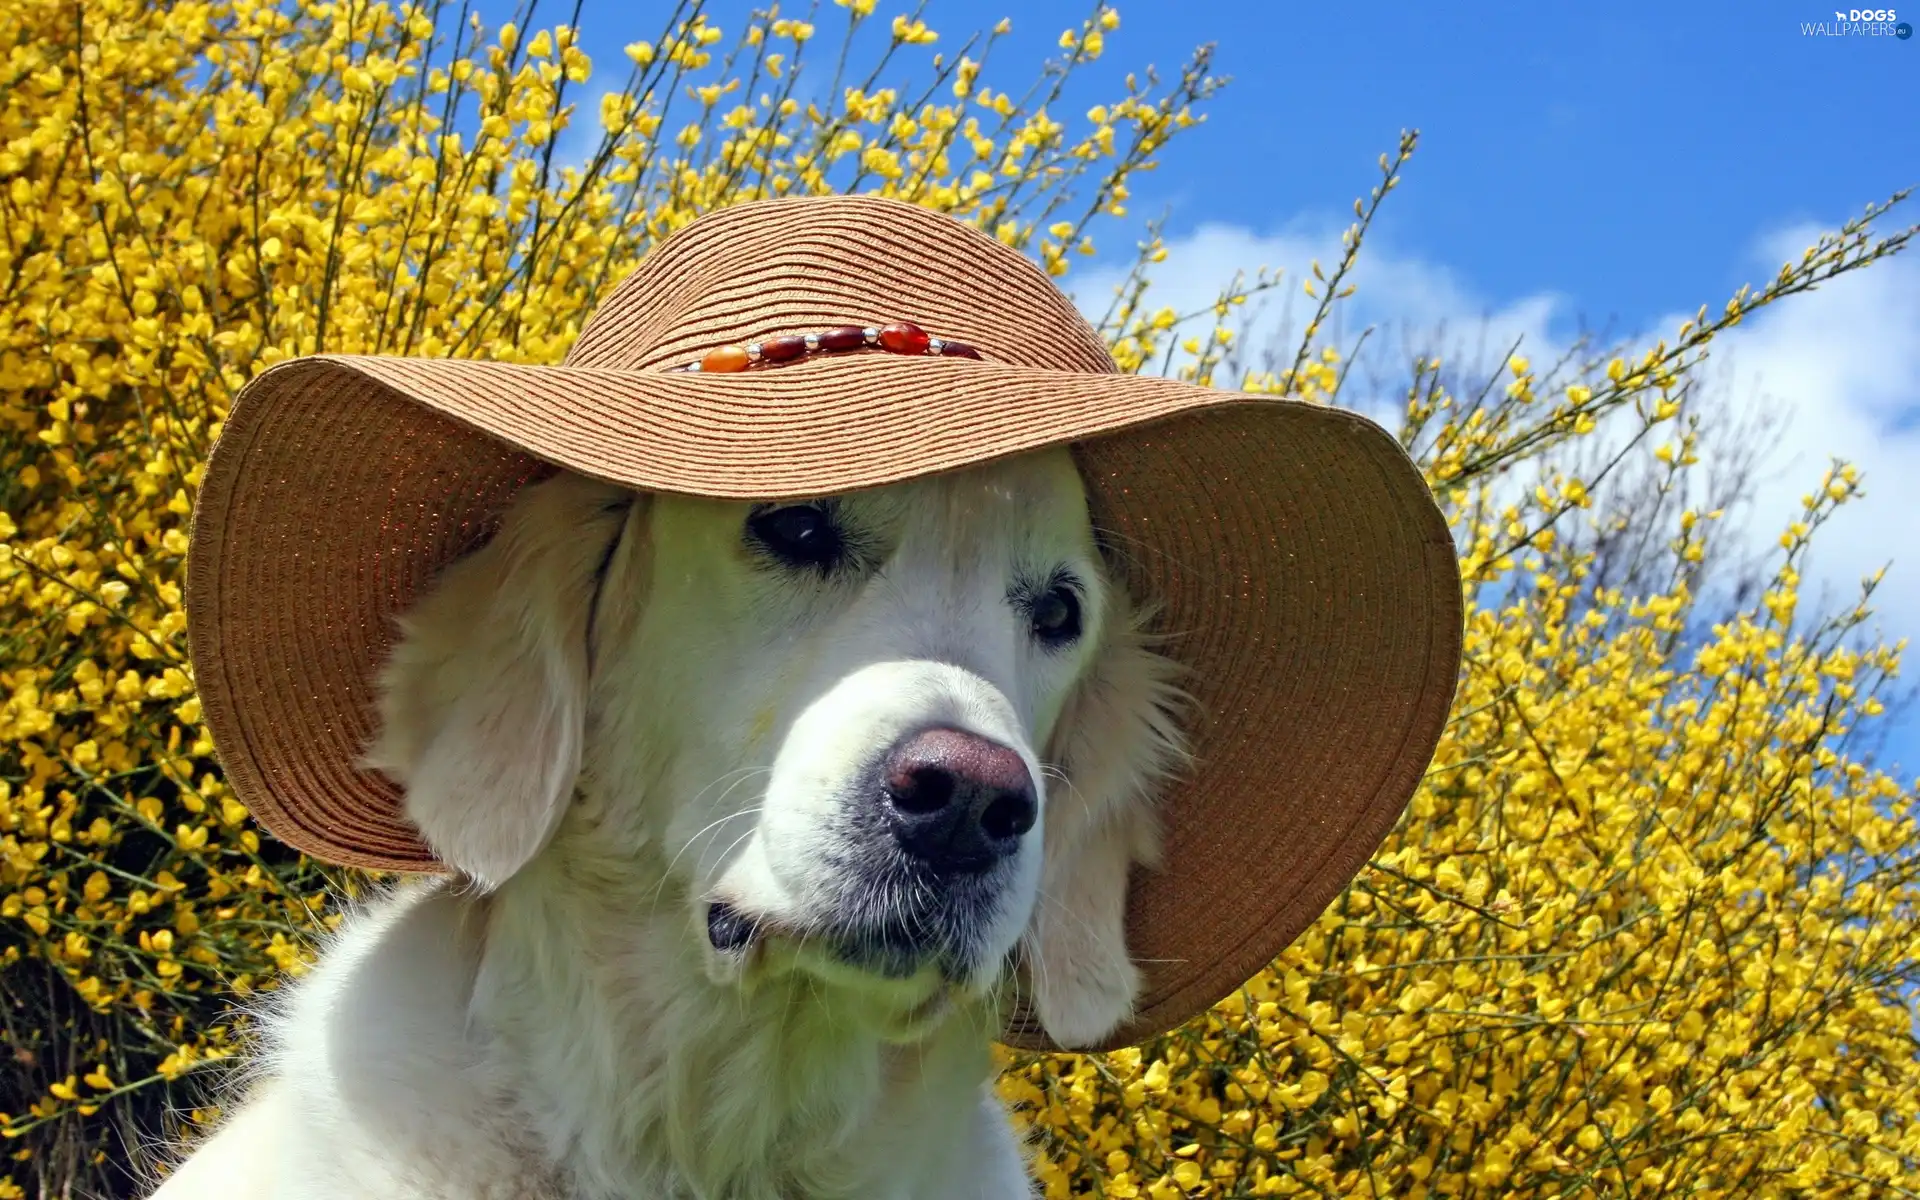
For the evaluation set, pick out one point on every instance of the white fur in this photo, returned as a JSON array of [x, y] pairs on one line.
[[619, 713]]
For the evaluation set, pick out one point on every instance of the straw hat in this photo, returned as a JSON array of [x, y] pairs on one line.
[[1301, 567]]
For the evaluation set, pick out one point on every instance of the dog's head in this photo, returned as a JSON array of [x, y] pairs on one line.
[[885, 738]]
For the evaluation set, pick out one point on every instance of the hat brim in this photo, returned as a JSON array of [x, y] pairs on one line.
[[1301, 568]]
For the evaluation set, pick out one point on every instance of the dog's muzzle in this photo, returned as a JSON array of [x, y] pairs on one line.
[[924, 863]]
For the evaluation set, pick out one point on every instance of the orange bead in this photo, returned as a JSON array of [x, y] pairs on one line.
[[725, 358]]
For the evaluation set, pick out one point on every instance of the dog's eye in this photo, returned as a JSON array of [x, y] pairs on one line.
[[1055, 614], [798, 535]]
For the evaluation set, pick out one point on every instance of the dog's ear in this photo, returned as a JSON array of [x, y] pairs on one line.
[[1117, 742], [483, 701]]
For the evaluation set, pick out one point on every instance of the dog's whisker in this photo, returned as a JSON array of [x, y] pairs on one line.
[[659, 889], [749, 810], [702, 870], [709, 827], [734, 845], [739, 775], [723, 778]]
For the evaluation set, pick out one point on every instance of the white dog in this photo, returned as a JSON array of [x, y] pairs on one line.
[[754, 810]]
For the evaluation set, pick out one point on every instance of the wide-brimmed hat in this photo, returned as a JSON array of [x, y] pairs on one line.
[[1300, 567]]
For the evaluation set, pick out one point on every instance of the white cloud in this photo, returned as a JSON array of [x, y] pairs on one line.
[[1406, 299], [1838, 369]]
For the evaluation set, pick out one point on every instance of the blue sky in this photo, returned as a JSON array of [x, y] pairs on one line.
[[1561, 142], [1581, 166]]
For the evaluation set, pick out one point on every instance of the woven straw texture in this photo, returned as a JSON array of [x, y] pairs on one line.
[[1302, 570]]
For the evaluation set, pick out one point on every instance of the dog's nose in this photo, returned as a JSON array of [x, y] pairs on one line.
[[957, 801]]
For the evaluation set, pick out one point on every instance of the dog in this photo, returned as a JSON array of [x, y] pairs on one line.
[[757, 817]]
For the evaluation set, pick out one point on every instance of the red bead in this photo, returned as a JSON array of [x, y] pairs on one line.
[[780, 349], [847, 337], [904, 338], [959, 350]]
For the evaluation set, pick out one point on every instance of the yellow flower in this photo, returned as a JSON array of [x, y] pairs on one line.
[[913, 33]]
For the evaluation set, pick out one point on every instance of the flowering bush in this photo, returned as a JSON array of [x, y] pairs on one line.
[[1650, 925]]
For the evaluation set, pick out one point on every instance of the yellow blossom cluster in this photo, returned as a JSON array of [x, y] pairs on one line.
[[1646, 930], [1646, 927]]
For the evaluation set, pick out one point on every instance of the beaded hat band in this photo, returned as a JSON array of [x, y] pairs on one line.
[[1299, 567], [901, 337]]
